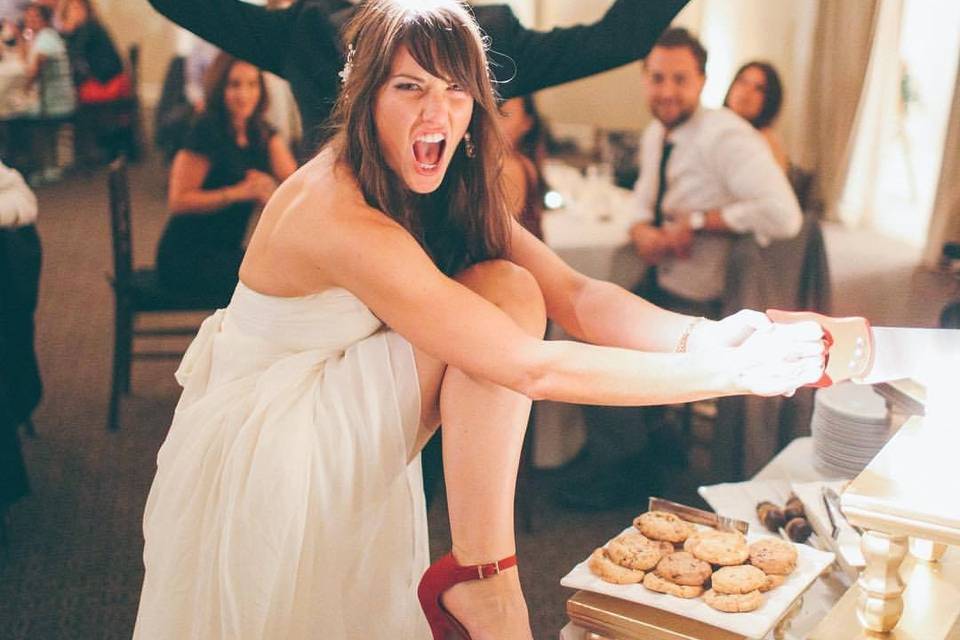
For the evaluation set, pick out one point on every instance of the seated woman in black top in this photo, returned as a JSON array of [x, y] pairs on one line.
[[231, 163]]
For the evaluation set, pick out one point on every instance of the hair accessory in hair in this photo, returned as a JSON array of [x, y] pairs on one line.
[[348, 67], [469, 147]]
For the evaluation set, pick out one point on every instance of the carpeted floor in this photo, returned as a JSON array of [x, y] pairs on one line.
[[73, 567]]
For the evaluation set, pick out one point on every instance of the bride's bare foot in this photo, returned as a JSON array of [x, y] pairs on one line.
[[491, 609]]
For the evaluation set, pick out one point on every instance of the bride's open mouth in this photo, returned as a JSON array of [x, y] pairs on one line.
[[428, 150]]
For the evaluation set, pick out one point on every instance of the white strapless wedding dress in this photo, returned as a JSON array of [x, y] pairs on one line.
[[284, 506]]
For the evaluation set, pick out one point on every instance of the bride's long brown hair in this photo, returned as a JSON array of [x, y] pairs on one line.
[[465, 220]]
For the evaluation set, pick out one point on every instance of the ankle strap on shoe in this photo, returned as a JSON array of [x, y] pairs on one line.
[[481, 571]]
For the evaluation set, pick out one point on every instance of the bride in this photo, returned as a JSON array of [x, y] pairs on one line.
[[386, 290]]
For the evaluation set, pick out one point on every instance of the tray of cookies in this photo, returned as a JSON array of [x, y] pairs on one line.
[[741, 583]]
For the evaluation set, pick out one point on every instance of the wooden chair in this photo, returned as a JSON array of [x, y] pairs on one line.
[[137, 292]]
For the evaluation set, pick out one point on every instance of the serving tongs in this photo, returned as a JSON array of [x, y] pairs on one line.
[[698, 516]]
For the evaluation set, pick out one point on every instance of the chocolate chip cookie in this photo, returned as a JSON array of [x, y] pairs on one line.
[[609, 571], [633, 550], [742, 578], [655, 583], [773, 556], [661, 525], [733, 602], [684, 569], [721, 548]]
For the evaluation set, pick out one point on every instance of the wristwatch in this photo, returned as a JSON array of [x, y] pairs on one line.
[[696, 220]]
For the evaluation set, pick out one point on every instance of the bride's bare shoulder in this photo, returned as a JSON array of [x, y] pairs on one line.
[[297, 241], [320, 193], [318, 207]]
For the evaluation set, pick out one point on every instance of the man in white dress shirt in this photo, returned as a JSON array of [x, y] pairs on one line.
[[706, 176], [718, 179]]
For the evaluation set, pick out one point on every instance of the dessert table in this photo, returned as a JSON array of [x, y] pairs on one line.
[[905, 500], [792, 465], [905, 503]]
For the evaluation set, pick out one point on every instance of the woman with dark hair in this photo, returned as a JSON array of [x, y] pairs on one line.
[[385, 290], [231, 163], [756, 95], [524, 134]]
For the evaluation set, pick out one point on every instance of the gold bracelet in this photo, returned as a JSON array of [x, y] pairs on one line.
[[682, 343]]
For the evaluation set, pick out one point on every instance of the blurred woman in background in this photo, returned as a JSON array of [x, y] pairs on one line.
[[524, 134], [231, 163], [48, 64], [48, 70], [756, 95]]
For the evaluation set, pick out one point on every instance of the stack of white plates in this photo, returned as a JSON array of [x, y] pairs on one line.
[[850, 425]]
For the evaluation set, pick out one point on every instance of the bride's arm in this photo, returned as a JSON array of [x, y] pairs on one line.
[[596, 311], [379, 262]]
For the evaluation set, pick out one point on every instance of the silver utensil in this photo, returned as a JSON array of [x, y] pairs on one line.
[[698, 516], [834, 530], [833, 499]]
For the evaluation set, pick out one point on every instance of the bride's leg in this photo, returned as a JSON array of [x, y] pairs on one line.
[[483, 430]]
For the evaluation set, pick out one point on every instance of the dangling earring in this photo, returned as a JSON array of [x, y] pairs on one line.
[[469, 147]]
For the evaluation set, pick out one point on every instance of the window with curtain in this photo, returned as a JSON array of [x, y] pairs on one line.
[[902, 121]]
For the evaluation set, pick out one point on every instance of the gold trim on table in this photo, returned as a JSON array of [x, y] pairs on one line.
[[931, 605], [905, 499], [618, 619]]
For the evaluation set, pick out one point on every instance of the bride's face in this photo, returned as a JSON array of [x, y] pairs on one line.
[[420, 120]]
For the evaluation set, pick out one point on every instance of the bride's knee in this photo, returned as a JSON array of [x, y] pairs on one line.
[[510, 287]]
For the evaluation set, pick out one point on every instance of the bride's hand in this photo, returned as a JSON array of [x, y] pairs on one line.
[[729, 332], [778, 359]]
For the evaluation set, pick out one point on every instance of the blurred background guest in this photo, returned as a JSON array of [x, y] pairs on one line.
[[98, 72], [281, 113], [524, 131], [48, 68], [103, 86], [756, 95], [231, 163], [48, 63]]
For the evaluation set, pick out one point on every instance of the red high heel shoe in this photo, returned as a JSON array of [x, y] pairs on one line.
[[440, 576]]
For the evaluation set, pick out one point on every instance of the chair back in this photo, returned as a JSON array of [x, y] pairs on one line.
[[119, 189], [133, 54]]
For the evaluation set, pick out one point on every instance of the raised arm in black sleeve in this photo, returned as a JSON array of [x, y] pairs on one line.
[[301, 44], [542, 59], [255, 34]]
